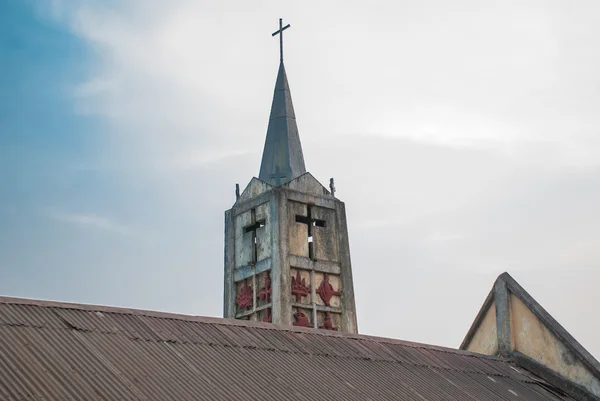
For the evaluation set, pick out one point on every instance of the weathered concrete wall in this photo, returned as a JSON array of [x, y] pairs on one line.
[[240, 267], [243, 242], [282, 247], [264, 240], [349, 321], [485, 339], [531, 337], [298, 233], [228, 281], [325, 238]]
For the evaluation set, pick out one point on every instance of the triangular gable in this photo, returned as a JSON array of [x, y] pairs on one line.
[[254, 188], [512, 324], [484, 339], [308, 184]]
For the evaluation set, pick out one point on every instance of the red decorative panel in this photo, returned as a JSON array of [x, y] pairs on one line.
[[301, 319], [327, 323], [265, 292], [267, 316], [244, 297], [326, 290], [299, 287]]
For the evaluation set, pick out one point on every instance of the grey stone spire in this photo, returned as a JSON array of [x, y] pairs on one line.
[[282, 158]]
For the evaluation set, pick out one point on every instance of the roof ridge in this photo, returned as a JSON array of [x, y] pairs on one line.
[[71, 327], [232, 322]]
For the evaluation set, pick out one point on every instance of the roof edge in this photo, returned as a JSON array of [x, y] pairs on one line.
[[250, 183], [307, 173], [234, 322], [569, 387]]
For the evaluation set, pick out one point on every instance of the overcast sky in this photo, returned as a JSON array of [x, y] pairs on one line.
[[463, 137]]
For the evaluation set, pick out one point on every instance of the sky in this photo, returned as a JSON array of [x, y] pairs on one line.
[[463, 137]]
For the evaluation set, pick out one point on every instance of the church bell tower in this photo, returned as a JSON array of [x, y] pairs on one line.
[[287, 256]]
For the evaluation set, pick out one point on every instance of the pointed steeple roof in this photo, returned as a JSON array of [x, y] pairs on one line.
[[282, 158]]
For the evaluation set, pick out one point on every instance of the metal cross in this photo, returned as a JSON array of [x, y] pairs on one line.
[[256, 224], [310, 222], [280, 33]]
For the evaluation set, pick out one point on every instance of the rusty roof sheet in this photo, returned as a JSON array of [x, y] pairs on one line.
[[57, 351]]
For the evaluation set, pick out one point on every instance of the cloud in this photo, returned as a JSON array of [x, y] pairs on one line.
[[462, 137], [91, 221], [469, 81], [199, 159]]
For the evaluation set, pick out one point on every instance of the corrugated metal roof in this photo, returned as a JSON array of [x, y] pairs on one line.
[[54, 351]]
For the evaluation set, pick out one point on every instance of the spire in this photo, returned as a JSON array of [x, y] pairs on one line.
[[282, 158]]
